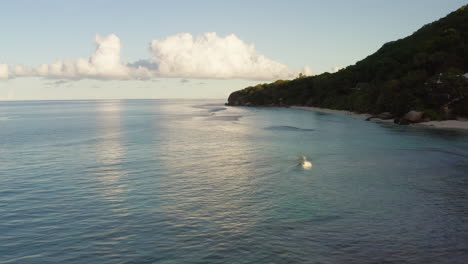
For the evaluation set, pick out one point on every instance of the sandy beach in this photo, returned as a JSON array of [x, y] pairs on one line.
[[446, 124]]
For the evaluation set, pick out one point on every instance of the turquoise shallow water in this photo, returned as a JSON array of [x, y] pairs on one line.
[[180, 181]]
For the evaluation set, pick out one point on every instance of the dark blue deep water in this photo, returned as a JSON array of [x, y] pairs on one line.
[[179, 181]]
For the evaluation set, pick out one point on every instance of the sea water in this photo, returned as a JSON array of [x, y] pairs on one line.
[[194, 181]]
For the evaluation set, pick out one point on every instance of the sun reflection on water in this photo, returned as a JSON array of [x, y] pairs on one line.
[[109, 150], [210, 179]]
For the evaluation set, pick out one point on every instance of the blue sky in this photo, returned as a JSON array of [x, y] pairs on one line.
[[317, 34]]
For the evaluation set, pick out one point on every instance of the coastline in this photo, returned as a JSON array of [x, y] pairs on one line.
[[445, 124]]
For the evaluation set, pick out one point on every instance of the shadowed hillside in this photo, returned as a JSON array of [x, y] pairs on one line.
[[422, 72]]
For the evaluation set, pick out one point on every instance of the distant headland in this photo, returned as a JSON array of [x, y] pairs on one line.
[[420, 78]]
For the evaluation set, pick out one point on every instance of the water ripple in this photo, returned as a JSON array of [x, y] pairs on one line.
[[172, 182]]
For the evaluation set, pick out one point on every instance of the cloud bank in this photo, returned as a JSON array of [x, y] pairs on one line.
[[211, 56], [335, 69], [4, 71], [105, 63], [208, 56]]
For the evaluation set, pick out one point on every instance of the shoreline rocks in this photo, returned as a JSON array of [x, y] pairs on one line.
[[414, 116], [383, 116]]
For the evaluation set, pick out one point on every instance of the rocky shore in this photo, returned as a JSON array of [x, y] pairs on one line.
[[414, 118]]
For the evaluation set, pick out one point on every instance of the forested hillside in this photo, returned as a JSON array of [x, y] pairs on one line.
[[421, 72]]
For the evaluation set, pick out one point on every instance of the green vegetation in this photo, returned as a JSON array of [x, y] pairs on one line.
[[421, 72]]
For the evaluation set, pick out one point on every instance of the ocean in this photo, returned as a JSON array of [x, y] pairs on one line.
[[194, 181]]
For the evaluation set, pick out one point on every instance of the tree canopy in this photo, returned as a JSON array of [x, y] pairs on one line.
[[423, 71]]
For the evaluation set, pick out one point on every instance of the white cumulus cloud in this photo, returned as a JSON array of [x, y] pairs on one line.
[[4, 71], [105, 63], [182, 55], [335, 69], [211, 56], [20, 70], [307, 71]]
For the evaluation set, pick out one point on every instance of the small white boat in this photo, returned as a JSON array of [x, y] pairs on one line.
[[307, 165]]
